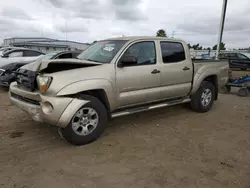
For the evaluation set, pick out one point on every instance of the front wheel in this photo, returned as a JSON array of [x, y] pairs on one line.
[[203, 99], [87, 124]]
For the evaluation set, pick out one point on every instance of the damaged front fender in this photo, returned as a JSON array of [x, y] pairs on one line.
[[88, 85], [69, 112]]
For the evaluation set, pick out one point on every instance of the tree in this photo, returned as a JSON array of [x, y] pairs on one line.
[[222, 46], [197, 47], [161, 33], [189, 46]]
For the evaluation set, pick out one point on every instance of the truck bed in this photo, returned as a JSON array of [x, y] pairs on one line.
[[222, 67]]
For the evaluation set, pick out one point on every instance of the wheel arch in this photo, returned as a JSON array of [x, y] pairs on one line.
[[99, 94], [101, 89], [212, 78]]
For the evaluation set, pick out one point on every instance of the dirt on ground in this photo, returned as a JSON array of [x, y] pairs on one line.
[[170, 147]]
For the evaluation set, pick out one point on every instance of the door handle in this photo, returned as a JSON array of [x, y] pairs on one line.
[[155, 71], [186, 68]]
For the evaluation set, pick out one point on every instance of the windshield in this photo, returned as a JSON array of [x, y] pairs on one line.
[[102, 51]]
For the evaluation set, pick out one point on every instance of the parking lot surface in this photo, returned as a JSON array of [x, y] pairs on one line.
[[170, 147]]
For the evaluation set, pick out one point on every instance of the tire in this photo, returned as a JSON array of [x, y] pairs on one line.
[[78, 136], [243, 92], [197, 99]]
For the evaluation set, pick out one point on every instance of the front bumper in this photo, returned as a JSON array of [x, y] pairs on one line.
[[54, 110]]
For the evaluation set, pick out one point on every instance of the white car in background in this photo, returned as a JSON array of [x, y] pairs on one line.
[[19, 54], [7, 48]]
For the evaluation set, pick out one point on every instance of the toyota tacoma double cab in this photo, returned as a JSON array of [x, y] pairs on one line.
[[112, 78]]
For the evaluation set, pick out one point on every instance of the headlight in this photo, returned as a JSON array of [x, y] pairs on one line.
[[43, 83]]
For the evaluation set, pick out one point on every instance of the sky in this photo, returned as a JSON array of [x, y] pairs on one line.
[[195, 21]]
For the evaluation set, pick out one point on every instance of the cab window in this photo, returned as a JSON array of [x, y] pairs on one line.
[[172, 52], [144, 52]]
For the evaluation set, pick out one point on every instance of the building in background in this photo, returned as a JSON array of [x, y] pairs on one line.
[[44, 44]]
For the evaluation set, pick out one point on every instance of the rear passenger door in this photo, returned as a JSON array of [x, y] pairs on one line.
[[176, 70]]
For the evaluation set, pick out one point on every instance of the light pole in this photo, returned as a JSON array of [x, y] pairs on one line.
[[223, 14]]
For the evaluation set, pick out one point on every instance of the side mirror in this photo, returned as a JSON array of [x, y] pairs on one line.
[[127, 61]]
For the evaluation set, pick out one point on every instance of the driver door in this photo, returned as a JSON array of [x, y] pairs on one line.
[[140, 82]]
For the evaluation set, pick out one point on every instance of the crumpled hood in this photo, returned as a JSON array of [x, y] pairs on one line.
[[58, 65], [96, 72]]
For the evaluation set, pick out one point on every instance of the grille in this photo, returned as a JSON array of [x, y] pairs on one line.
[[24, 99], [2, 72], [26, 79]]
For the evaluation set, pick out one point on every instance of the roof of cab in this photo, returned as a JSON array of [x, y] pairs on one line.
[[133, 38]]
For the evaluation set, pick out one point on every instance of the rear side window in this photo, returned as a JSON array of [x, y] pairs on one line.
[[172, 52], [28, 53]]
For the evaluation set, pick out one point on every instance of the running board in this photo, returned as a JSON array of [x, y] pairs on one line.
[[149, 107]]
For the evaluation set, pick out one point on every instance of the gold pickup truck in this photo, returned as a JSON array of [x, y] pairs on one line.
[[115, 77]]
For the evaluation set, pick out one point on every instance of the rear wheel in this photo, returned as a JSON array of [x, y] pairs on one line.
[[87, 124], [203, 99], [243, 92]]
